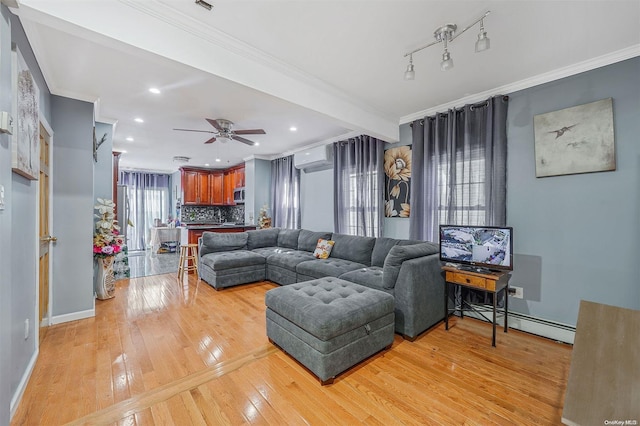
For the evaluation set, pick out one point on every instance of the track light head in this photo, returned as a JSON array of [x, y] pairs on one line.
[[410, 74], [447, 62]]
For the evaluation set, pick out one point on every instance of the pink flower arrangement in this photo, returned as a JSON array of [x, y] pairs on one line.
[[106, 240]]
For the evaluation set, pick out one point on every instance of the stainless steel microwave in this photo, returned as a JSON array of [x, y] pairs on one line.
[[238, 195]]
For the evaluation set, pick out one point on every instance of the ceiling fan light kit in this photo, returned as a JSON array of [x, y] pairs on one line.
[[224, 132], [446, 34]]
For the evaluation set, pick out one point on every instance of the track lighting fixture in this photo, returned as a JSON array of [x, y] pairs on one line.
[[446, 34]]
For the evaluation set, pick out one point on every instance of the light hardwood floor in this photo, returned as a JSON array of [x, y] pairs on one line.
[[164, 352]]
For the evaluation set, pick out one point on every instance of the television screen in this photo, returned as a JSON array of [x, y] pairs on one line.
[[483, 247]]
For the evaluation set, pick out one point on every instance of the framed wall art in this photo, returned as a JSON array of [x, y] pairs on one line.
[[397, 181], [25, 152], [575, 140]]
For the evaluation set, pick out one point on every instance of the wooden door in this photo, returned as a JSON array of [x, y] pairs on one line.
[[44, 233], [215, 185], [189, 187]]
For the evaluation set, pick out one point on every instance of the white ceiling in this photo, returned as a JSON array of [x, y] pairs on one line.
[[330, 68]]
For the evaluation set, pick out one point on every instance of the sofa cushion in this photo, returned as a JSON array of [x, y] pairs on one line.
[[289, 259], [262, 238], [288, 238], [232, 259], [399, 254], [370, 276], [307, 240], [268, 251], [381, 249], [331, 267], [213, 242], [354, 248]]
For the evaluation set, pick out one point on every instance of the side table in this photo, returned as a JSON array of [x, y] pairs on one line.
[[489, 282]]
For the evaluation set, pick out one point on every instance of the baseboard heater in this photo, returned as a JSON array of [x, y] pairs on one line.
[[538, 326]]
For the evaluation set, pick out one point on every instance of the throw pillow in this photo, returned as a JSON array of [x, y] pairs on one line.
[[323, 248]]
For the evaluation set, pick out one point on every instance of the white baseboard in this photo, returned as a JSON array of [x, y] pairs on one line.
[[540, 327], [17, 396], [74, 316]]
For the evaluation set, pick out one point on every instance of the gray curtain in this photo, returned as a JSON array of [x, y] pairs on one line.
[[459, 168], [285, 193], [358, 186], [148, 200]]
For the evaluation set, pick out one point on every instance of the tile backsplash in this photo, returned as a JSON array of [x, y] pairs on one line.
[[211, 214]]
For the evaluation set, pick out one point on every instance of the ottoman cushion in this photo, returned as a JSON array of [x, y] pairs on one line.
[[329, 307], [232, 259]]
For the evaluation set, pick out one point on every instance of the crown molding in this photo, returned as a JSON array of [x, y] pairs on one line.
[[175, 17], [588, 65]]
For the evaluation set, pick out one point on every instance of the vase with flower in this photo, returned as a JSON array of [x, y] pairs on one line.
[[107, 242]]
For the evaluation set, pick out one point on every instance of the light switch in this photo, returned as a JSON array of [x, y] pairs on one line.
[[6, 123], [1, 197]]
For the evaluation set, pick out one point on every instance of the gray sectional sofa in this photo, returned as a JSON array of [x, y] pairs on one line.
[[408, 270]]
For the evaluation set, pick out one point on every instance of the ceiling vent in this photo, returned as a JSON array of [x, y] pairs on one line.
[[180, 159]]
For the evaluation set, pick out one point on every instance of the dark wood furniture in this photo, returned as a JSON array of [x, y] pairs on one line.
[[490, 282]]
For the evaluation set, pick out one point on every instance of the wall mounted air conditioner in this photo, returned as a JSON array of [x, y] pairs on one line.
[[314, 159]]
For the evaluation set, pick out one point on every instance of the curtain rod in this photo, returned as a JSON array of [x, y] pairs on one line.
[[505, 98]]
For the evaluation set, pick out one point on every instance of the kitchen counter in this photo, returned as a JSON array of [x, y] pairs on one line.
[[218, 226]]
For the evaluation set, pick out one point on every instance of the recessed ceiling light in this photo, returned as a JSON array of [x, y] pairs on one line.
[[207, 164], [123, 151], [129, 139], [256, 144], [217, 160], [293, 128], [155, 90], [138, 120]]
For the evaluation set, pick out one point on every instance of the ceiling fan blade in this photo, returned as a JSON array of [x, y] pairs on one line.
[[243, 140], [192, 130], [250, 132], [212, 140], [214, 123]]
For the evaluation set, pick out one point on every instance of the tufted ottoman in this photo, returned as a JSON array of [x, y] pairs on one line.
[[329, 324]]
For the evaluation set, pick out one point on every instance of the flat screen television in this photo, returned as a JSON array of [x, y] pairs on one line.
[[479, 248]]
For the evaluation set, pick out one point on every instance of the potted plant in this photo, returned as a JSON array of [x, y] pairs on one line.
[[107, 242]]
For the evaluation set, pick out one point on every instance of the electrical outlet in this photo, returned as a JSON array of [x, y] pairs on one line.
[[516, 292], [26, 329]]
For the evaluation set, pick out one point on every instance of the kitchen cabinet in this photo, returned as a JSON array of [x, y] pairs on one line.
[[202, 187], [195, 187], [216, 188]]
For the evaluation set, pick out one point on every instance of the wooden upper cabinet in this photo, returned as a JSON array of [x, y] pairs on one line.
[[204, 195], [189, 186], [216, 188], [229, 186], [240, 178]]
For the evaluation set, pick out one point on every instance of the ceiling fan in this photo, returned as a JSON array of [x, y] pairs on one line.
[[224, 130]]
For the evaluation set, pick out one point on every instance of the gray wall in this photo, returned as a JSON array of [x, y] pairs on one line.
[[103, 168], [576, 236], [6, 278], [72, 204], [19, 229], [316, 200]]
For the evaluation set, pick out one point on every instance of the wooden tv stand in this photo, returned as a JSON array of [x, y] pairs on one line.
[[490, 282]]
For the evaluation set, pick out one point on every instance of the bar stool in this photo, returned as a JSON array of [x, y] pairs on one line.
[[188, 254]]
